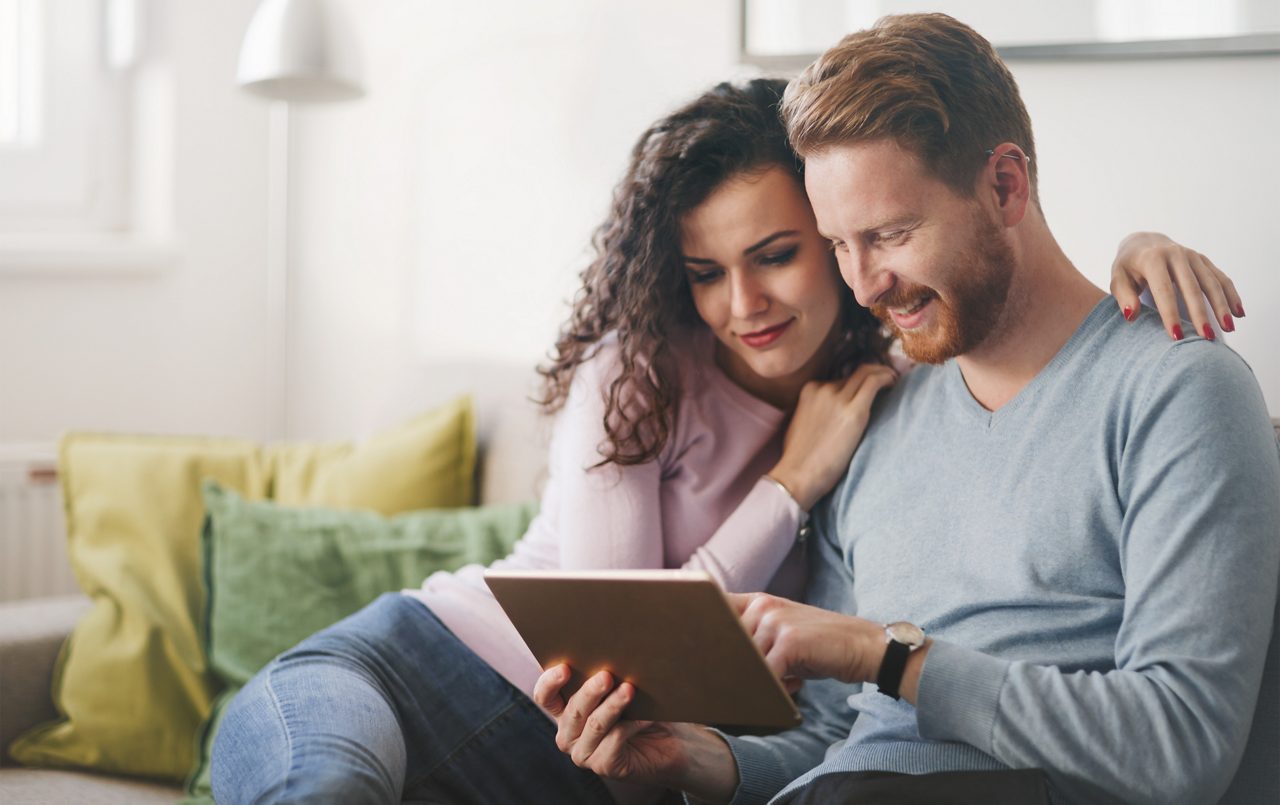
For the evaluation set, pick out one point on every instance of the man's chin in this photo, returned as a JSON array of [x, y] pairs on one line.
[[929, 347]]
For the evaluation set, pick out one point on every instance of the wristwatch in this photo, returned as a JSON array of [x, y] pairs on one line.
[[902, 638]]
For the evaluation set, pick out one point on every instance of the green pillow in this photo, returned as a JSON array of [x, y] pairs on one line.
[[276, 574]]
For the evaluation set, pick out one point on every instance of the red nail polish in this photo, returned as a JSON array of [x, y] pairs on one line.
[[1177, 332], [1128, 313], [1208, 332], [1228, 325], [1239, 311]]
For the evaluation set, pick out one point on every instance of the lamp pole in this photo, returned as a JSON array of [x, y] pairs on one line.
[[294, 51]]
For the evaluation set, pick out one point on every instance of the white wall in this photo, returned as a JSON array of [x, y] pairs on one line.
[[182, 350], [445, 216], [1183, 146]]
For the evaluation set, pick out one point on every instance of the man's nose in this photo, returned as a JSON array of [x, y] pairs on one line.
[[868, 279]]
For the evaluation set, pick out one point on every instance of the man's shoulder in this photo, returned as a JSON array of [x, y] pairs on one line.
[[1142, 356]]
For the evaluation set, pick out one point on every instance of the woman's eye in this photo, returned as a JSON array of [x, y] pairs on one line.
[[703, 277], [779, 258]]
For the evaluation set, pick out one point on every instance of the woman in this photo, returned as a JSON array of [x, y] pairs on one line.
[[713, 382]]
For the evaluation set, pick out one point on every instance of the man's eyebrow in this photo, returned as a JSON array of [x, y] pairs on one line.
[[755, 247], [891, 223], [894, 223]]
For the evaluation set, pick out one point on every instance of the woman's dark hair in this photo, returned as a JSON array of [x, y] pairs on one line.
[[636, 285]]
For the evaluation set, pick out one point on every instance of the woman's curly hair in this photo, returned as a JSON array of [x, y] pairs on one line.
[[636, 285]]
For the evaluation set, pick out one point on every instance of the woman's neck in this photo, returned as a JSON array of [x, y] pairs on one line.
[[780, 392]]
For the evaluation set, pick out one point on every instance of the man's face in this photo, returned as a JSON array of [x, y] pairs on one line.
[[931, 265]]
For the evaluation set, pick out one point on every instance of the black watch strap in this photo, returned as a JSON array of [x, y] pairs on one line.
[[891, 668]]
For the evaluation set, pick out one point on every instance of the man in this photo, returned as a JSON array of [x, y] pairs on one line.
[[1072, 523]]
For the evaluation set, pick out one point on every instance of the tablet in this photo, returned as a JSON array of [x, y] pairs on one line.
[[671, 633]]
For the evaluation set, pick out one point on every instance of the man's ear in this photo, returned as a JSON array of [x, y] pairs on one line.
[[1008, 180]]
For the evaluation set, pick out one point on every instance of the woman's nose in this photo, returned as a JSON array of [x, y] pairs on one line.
[[748, 297]]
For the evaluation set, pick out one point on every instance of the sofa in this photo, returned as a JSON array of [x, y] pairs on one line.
[[511, 460]]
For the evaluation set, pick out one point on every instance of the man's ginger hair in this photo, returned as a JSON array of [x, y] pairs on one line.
[[926, 81]]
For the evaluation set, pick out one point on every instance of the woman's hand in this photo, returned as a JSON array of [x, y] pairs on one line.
[[591, 730], [825, 429], [1151, 260]]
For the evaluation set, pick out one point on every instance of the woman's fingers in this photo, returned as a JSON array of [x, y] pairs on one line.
[[861, 375], [1220, 290], [1166, 298], [865, 394], [1211, 286], [1228, 288], [1127, 294], [1190, 286]]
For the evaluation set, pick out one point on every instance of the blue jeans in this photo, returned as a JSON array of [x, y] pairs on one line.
[[388, 705]]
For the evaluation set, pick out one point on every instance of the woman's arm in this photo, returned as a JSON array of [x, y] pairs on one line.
[[611, 516], [1151, 260]]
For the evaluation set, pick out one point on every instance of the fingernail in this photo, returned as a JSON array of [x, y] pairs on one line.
[[1208, 332], [1228, 325], [1177, 332], [1239, 311], [1128, 313]]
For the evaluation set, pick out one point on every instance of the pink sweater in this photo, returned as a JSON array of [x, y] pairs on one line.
[[701, 505]]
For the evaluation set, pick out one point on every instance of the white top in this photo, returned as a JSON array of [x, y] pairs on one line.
[[702, 505]]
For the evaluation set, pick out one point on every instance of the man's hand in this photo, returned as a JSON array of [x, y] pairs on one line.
[[592, 732], [803, 642]]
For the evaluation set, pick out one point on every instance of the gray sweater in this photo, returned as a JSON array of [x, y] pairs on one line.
[[1097, 562]]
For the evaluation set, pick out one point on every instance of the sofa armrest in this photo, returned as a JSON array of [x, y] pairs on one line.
[[31, 633]]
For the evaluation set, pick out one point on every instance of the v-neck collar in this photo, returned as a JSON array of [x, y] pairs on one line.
[[1097, 318]]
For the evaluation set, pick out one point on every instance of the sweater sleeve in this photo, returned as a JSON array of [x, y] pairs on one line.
[[1199, 480], [610, 516], [768, 764]]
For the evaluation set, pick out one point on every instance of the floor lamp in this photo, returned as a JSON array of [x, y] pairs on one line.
[[294, 51]]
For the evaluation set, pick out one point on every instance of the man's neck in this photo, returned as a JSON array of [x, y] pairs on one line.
[[1048, 299]]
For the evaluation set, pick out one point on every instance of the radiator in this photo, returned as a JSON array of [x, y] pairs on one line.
[[33, 539]]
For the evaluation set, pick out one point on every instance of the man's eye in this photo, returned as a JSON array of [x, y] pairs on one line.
[[779, 258], [891, 237], [703, 277], [836, 245]]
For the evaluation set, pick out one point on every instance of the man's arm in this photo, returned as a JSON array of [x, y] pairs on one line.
[[709, 765], [1200, 552]]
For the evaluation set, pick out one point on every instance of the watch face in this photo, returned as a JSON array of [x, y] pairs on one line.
[[906, 633]]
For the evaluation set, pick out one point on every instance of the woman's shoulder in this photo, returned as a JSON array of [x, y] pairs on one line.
[[685, 360]]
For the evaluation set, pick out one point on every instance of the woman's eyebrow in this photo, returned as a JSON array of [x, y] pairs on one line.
[[755, 247], [758, 246]]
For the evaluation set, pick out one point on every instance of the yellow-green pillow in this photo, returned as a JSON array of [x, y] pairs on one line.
[[132, 683]]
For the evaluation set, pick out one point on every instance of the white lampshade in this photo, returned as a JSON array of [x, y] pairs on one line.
[[300, 50]]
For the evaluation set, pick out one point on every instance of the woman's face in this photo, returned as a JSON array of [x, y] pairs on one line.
[[764, 281]]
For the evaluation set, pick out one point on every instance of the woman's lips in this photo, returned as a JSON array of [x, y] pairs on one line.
[[763, 338]]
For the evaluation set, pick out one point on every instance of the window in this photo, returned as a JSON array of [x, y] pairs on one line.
[[72, 91]]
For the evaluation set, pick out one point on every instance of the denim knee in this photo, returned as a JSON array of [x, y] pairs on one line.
[[250, 760], [308, 729]]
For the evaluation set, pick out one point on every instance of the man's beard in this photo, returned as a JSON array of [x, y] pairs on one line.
[[980, 280]]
